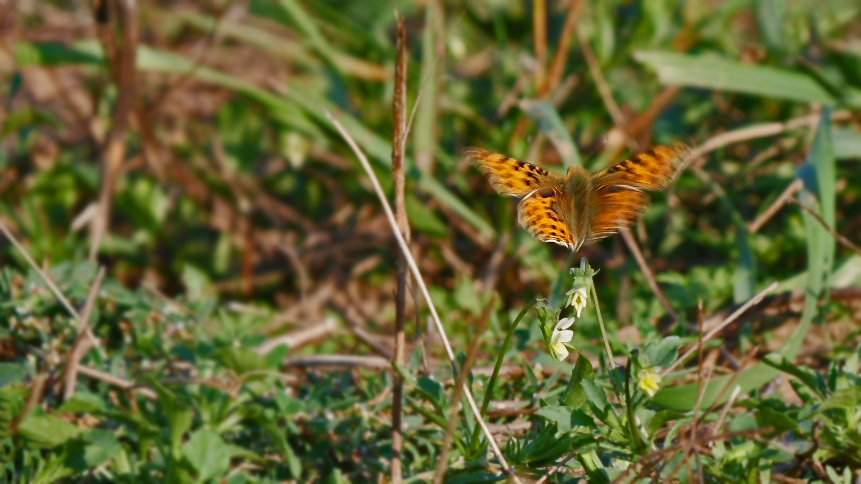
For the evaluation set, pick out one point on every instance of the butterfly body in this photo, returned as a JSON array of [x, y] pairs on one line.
[[581, 207]]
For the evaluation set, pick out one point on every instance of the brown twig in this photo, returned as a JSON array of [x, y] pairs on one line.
[[299, 338], [32, 400], [114, 153], [399, 116], [735, 315], [843, 240], [719, 422], [557, 68], [82, 344], [50, 283], [631, 242], [604, 91], [775, 207], [557, 467], [358, 361], [116, 381], [442, 462], [539, 29], [761, 131]]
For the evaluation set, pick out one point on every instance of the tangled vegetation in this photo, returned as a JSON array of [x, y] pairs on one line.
[[199, 280]]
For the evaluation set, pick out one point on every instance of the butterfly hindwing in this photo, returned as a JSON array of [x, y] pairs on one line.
[[510, 176], [615, 208], [541, 213], [650, 170]]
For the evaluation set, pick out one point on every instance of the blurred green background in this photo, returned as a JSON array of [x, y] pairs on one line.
[[239, 214]]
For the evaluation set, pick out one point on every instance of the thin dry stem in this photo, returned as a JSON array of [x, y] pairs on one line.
[[442, 463], [399, 115], [53, 287], [725, 409], [300, 337], [115, 151], [82, 343], [634, 247], [604, 91], [775, 207], [753, 301], [339, 361], [557, 68], [539, 28], [840, 238], [116, 381], [761, 131], [424, 290]]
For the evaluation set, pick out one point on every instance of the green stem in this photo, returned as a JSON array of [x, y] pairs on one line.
[[610, 360], [499, 359]]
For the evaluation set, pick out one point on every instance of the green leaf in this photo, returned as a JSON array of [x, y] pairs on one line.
[[197, 283], [846, 399], [208, 453], [596, 394], [575, 395], [778, 421], [242, 359], [178, 412], [432, 390], [423, 219], [83, 402], [771, 18], [567, 418], [92, 449], [13, 373], [47, 430], [662, 353], [813, 380], [713, 72], [594, 468], [551, 125]]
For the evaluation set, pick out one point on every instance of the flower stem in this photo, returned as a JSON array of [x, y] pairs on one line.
[[610, 360], [499, 359]]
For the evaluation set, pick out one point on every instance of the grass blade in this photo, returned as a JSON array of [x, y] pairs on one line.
[[716, 73]]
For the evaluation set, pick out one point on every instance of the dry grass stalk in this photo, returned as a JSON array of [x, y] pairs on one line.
[[424, 291], [399, 114], [82, 344], [115, 150]]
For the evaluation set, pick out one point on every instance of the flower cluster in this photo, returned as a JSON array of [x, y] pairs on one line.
[[577, 298]]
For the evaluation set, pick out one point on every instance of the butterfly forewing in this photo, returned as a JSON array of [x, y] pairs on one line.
[[651, 170], [510, 176]]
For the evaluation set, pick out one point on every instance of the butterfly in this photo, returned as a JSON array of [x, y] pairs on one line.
[[580, 207]]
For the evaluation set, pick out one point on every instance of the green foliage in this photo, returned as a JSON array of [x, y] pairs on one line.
[[239, 216]]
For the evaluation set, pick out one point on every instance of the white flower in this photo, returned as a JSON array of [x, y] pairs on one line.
[[561, 335], [577, 297], [649, 380]]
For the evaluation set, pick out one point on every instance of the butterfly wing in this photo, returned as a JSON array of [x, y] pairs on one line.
[[615, 207], [617, 198], [510, 176], [542, 213], [651, 170]]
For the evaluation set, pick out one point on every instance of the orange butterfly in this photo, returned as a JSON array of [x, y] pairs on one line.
[[580, 207]]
